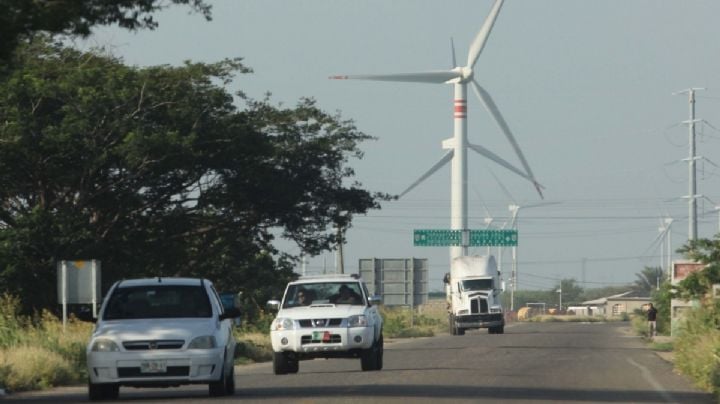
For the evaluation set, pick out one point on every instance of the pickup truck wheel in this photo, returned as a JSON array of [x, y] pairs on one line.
[[380, 354], [293, 365], [371, 358], [280, 363]]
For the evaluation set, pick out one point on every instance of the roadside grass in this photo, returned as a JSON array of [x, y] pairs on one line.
[[697, 348], [252, 347], [401, 322], [36, 353]]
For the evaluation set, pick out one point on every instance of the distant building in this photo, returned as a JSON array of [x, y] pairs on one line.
[[615, 305]]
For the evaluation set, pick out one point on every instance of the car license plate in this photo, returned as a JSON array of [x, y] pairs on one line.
[[321, 336], [153, 367]]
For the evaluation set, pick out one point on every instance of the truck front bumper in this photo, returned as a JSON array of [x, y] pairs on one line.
[[480, 320]]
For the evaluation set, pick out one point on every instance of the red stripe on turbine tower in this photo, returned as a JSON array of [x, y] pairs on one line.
[[460, 108]]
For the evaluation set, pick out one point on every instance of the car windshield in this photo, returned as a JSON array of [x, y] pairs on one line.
[[158, 301], [307, 294]]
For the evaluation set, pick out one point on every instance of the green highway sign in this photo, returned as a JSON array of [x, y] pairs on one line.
[[502, 238], [473, 238], [437, 238]]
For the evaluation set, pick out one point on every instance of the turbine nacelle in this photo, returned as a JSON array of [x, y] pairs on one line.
[[463, 74]]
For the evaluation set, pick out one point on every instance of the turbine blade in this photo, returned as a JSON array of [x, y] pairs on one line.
[[502, 186], [495, 112], [653, 245], [482, 35], [452, 50], [439, 76], [494, 157], [447, 157], [535, 205]]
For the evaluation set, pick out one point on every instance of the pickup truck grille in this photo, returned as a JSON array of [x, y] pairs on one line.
[[308, 339], [320, 322]]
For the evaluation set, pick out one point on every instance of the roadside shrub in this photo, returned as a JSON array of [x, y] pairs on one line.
[[33, 367], [397, 323], [11, 323], [697, 348], [252, 347], [260, 325]]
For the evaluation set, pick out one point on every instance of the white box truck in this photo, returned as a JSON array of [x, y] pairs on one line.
[[472, 290]]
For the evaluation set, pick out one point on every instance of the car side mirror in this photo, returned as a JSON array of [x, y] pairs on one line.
[[375, 299], [231, 312], [273, 305]]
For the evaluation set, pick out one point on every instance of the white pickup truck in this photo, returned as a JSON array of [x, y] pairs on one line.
[[332, 316]]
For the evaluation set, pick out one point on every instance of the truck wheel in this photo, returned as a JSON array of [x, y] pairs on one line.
[[460, 331], [500, 330], [293, 365], [380, 354], [371, 358], [280, 363]]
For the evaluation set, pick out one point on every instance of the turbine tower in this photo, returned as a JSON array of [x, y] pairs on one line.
[[460, 77]]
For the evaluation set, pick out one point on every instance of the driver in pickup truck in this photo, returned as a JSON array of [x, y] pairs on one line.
[[345, 295]]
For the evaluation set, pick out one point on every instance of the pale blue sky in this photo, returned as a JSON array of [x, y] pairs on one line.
[[585, 85]]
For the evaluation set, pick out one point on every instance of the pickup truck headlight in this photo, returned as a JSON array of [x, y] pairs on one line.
[[104, 345], [357, 321], [203, 342], [280, 324]]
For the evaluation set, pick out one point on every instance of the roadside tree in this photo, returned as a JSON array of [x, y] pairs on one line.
[[156, 172]]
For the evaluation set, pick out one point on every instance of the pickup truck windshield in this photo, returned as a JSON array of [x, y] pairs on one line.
[[306, 294], [476, 284]]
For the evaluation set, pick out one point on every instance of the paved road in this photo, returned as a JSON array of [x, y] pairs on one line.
[[531, 362]]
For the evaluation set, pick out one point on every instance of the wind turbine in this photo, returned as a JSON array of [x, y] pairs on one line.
[[664, 241], [514, 209], [460, 77]]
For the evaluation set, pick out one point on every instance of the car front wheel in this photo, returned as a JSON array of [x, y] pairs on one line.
[[224, 386], [102, 391]]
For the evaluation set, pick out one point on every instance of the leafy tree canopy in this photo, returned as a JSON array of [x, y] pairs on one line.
[[21, 19], [155, 171], [699, 284], [648, 280]]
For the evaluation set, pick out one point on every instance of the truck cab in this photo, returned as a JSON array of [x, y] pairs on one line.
[[472, 289]]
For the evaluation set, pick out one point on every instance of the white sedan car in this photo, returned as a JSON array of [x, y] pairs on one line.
[[161, 332]]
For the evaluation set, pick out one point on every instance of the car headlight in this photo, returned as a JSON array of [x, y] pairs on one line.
[[104, 345], [203, 342], [280, 324], [357, 321]]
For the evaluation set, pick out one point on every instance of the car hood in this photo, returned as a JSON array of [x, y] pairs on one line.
[[322, 311], [145, 329]]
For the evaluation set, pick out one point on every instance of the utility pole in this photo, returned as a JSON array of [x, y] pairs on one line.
[[341, 260], [692, 197]]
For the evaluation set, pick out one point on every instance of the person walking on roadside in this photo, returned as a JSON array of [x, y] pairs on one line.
[[652, 323]]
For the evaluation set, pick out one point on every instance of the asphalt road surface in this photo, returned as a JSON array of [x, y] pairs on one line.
[[530, 363]]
